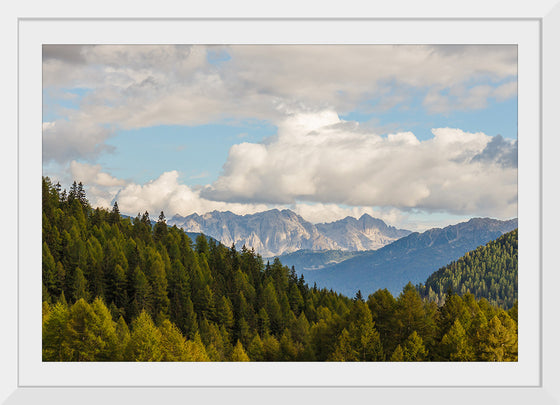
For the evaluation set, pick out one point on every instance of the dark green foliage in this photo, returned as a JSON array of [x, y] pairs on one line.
[[114, 289], [488, 272]]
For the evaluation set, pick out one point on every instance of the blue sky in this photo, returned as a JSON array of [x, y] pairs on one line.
[[405, 133], [178, 148]]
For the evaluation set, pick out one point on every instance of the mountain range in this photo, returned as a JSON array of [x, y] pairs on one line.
[[274, 232], [349, 254], [411, 258]]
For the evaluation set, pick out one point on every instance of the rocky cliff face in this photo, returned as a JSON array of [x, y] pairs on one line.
[[366, 233], [275, 232]]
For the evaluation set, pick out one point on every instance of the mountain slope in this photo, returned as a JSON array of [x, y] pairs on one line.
[[316, 260], [412, 258], [488, 272], [274, 232]]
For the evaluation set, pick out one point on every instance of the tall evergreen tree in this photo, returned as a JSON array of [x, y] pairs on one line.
[[238, 353], [145, 340]]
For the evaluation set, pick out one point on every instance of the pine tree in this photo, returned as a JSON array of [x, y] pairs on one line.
[[454, 309], [269, 302], [343, 350], [411, 316], [173, 345], [83, 327], [243, 332], [196, 350], [202, 245], [365, 338], [238, 354], [145, 340], [79, 286], [498, 341], [160, 228], [224, 313], [115, 217], [455, 344], [105, 329], [271, 348], [142, 294], [398, 354], [158, 283], [289, 350], [414, 349], [190, 320], [123, 337], [49, 272], [55, 347], [383, 307], [255, 350]]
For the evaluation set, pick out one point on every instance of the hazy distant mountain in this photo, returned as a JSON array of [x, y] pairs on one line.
[[366, 233], [275, 232], [412, 258], [316, 260]]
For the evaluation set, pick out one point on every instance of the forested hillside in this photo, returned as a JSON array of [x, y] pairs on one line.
[[488, 272], [116, 289], [410, 259]]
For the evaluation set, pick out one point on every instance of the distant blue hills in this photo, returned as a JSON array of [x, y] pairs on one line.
[[410, 259]]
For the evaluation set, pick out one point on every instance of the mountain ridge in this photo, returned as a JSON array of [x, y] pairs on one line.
[[275, 232], [411, 258]]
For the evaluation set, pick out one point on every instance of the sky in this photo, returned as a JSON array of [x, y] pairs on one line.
[[420, 136]]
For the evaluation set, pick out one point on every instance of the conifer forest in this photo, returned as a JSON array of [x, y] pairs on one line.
[[116, 288]]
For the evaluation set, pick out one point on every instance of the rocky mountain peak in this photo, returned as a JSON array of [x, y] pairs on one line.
[[275, 232]]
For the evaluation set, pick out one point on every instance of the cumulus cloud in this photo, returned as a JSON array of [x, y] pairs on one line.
[[92, 174], [316, 73], [134, 86], [167, 194], [316, 159]]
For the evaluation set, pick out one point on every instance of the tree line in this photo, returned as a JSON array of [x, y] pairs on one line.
[[122, 289]]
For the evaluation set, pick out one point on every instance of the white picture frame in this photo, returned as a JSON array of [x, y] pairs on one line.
[[543, 20]]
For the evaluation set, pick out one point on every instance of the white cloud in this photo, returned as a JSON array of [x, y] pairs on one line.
[[320, 213], [334, 163], [92, 174], [133, 86], [78, 138], [464, 98], [505, 91], [166, 194]]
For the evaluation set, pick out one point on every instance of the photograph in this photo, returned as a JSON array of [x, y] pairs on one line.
[[279, 203]]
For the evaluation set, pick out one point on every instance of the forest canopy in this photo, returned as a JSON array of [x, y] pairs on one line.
[[121, 289]]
